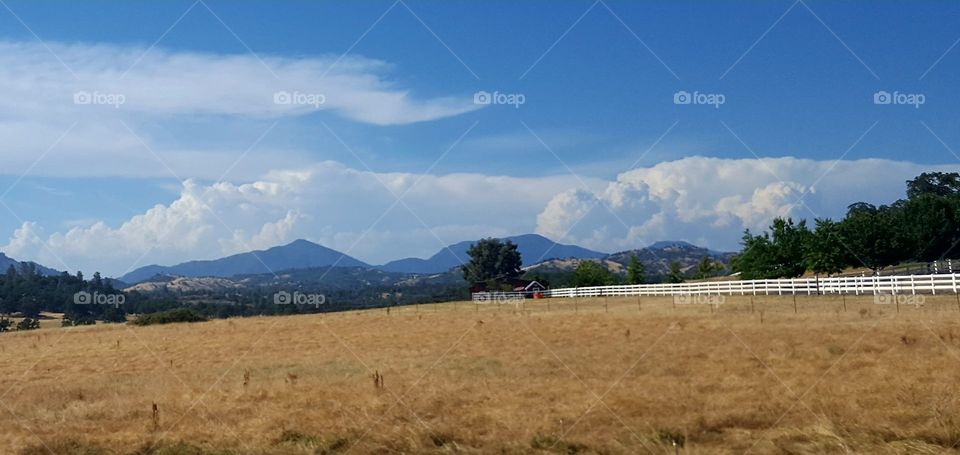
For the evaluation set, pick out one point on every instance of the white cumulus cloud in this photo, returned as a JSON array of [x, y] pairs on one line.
[[711, 201], [708, 201]]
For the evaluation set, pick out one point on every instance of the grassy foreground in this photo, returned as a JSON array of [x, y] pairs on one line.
[[549, 376]]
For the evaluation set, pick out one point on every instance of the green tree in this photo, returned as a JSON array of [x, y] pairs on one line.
[[779, 254], [675, 275], [635, 271], [928, 226], [707, 267], [591, 273], [872, 235], [934, 183], [826, 252], [491, 259], [757, 258], [790, 241]]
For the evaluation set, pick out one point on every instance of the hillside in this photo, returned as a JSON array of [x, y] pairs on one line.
[[6, 262], [533, 248], [300, 254], [656, 259]]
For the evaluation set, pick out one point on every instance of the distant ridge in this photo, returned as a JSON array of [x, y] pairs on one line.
[[302, 255], [533, 248], [683, 244], [6, 262], [299, 254]]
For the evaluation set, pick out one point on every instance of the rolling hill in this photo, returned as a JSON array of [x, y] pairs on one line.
[[656, 259], [300, 254]]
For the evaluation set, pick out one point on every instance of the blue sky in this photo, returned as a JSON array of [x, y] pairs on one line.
[[599, 153]]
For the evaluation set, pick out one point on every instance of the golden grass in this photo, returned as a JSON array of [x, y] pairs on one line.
[[550, 376]]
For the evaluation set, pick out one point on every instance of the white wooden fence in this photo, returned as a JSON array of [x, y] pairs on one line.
[[856, 285]]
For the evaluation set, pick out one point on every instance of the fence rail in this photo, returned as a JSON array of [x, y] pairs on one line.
[[857, 285]]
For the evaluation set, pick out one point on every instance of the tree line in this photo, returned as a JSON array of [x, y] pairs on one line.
[[923, 227], [25, 293]]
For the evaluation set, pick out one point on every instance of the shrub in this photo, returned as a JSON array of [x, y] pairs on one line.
[[28, 324], [114, 314], [76, 320], [169, 317]]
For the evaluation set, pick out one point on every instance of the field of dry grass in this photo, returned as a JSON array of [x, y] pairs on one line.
[[550, 376]]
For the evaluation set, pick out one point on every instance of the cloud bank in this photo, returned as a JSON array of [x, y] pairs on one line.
[[708, 201]]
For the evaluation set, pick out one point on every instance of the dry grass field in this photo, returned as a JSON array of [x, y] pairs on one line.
[[550, 376]]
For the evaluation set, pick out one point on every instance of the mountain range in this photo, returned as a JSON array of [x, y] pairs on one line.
[[533, 249], [368, 282], [6, 262], [300, 254], [539, 253]]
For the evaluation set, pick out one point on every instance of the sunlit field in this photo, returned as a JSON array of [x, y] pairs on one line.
[[761, 375]]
